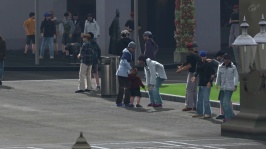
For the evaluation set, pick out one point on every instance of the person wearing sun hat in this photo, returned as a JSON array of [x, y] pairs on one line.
[[206, 72]]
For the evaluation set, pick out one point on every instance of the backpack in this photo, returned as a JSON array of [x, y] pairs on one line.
[[67, 27]]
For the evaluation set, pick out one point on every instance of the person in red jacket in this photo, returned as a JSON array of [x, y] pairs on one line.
[[135, 84]]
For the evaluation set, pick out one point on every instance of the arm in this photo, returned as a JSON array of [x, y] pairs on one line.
[[152, 74], [85, 28], [218, 78], [236, 77], [42, 28], [25, 26], [72, 27], [97, 29]]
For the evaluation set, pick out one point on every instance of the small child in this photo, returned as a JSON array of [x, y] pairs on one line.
[[135, 84]]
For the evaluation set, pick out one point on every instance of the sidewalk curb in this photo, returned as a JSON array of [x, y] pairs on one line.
[[176, 98]]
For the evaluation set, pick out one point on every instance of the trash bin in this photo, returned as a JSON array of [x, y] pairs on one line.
[[109, 81]]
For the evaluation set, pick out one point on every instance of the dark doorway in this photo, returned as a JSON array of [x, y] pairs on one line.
[[82, 7]]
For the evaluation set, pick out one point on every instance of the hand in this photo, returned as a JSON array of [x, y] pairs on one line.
[[193, 79], [209, 84], [151, 87]]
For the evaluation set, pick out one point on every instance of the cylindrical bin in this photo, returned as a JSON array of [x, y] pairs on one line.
[[109, 81]]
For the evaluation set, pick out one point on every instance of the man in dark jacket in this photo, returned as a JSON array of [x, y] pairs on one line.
[[151, 47], [48, 32], [122, 43], [2, 57], [206, 73]]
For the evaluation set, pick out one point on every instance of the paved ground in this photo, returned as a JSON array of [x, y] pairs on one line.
[[45, 113]]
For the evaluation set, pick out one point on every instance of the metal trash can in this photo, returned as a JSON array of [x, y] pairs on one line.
[[109, 81]]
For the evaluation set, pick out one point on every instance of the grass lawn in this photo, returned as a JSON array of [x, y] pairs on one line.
[[180, 89]]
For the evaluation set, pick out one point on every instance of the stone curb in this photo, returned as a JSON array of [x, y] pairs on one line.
[[176, 98]]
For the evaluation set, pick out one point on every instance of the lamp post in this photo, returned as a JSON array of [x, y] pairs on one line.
[[251, 121]]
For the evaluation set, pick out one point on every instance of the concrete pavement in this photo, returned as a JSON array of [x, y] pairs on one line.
[[47, 114]]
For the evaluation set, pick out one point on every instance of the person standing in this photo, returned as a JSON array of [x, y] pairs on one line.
[[2, 57], [68, 30], [151, 47], [96, 61], [122, 43], [122, 74], [29, 27], [191, 88], [48, 32], [227, 80], [86, 56], [234, 21], [130, 25], [114, 33], [206, 72], [76, 37], [57, 22], [155, 76], [92, 26]]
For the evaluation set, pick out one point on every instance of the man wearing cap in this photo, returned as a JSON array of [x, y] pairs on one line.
[[122, 74], [48, 32], [2, 57], [151, 47], [191, 88], [155, 76], [206, 73], [234, 21], [227, 80]]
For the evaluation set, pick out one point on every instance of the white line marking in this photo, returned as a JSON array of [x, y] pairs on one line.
[[167, 144], [21, 148], [99, 147], [195, 145]]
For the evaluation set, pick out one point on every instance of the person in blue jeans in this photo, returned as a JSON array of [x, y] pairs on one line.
[[2, 57], [206, 73], [48, 32], [155, 76], [227, 79]]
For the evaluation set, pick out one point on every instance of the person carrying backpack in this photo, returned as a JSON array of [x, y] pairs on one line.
[[86, 55]]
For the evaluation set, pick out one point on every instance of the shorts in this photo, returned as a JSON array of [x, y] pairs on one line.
[[30, 38], [135, 92], [94, 68]]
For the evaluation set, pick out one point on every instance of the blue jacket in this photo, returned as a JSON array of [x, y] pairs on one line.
[[124, 65]]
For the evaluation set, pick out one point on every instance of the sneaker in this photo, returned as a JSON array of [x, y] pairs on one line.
[[98, 87], [87, 90], [206, 116], [119, 105], [131, 105], [157, 105], [138, 106], [197, 115], [150, 105], [220, 117], [79, 91], [127, 105], [187, 109]]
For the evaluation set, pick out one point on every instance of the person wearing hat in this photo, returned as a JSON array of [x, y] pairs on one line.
[[122, 74], [122, 43], [29, 27], [92, 26], [155, 76], [227, 80], [191, 88], [130, 25], [2, 57], [48, 32], [86, 55], [234, 21], [206, 72], [151, 47]]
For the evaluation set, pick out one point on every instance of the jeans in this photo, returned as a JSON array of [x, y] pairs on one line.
[[203, 101], [1, 69], [154, 94], [50, 42], [124, 85], [225, 99]]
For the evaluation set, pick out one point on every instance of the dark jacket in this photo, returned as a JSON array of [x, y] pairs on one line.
[[150, 49], [205, 70], [135, 82], [97, 52], [2, 49], [87, 53], [48, 28], [121, 45]]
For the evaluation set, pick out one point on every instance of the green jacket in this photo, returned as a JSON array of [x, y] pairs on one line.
[[2, 49]]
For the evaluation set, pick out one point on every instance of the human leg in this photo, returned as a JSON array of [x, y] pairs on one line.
[[51, 47], [88, 78], [156, 91], [82, 76], [228, 112], [190, 101], [120, 90], [206, 101], [44, 44]]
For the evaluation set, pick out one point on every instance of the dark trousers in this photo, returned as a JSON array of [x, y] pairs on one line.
[[123, 89]]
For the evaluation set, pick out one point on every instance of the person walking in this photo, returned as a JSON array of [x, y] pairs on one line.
[[96, 61], [206, 72], [92, 26], [122, 74], [86, 55], [29, 27], [151, 47], [227, 80], [135, 84], [2, 57], [155, 76], [191, 88], [48, 32]]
